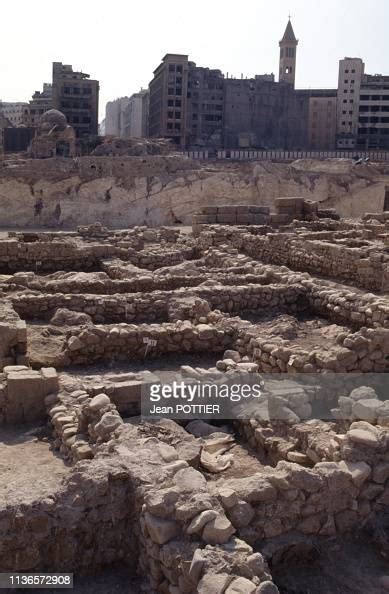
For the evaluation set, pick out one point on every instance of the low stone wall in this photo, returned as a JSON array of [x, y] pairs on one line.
[[51, 252], [365, 266], [154, 306], [131, 342]]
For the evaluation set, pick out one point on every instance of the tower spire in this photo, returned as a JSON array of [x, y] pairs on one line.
[[288, 46]]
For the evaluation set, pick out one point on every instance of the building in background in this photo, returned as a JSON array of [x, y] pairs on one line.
[[115, 114], [205, 107], [76, 95], [136, 115], [200, 107], [263, 114], [41, 102], [102, 128], [17, 113], [168, 99], [351, 71], [363, 107], [288, 50], [322, 120]]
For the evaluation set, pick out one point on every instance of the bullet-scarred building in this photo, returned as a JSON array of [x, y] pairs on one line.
[[77, 96]]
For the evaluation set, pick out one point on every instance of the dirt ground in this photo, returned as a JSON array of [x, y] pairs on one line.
[[29, 470], [342, 567]]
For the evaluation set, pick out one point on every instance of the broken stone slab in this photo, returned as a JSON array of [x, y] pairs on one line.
[[218, 530], [255, 488], [161, 531], [360, 471], [367, 409], [190, 480], [241, 585], [228, 497], [213, 583], [363, 436]]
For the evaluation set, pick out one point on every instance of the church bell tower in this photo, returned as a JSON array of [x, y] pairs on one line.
[[288, 48]]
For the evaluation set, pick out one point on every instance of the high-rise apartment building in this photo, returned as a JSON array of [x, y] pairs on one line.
[[77, 96], [168, 99], [363, 107], [351, 71]]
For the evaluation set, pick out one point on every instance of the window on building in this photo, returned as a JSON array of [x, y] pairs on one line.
[[66, 90], [344, 100], [75, 120], [177, 115], [170, 91], [353, 70], [178, 103], [352, 81], [86, 120], [346, 81], [170, 102], [346, 71], [177, 126], [170, 114], [179, 68], [87, 91], [170, 126], [76, 90]]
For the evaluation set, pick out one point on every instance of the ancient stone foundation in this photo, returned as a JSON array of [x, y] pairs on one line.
[[91, 319]]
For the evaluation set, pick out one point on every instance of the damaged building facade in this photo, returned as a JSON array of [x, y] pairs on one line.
[[200, 107]]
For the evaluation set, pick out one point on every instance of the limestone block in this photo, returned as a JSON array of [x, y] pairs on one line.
[[213, 583], [360, 471], [241, 585], [218, 530], [367, 409], [161, 531], [50, 380]]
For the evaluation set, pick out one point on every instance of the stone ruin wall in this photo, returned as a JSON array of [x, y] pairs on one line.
[[138, 499]]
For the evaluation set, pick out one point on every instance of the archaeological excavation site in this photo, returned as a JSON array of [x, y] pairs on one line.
[[122, 275]]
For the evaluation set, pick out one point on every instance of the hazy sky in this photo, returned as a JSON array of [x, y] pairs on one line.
[[121, 42]]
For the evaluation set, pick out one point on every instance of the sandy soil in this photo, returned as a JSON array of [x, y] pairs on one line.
[[29, 470]]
